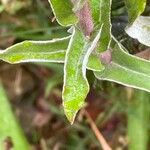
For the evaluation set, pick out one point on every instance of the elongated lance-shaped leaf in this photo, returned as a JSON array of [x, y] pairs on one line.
[[105, 15], [40, 51], [43, 51], [63, 12], [95, 7], [76, 86], [9, 127], [126, 69], [88, 55], [140, 30], [138, 120], [135, 8]]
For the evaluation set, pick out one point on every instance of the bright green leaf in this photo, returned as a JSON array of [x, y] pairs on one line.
[[140, 30], [135, 8], [95, 9], [105, 15], [36, 51], [62, 10], [126, 69], [76, 86], [44, 51], [9, 127]]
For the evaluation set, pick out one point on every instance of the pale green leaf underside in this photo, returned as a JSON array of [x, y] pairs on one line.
[[135, 8], [140, 30], [75, 87], [62, 10], [43, 51], [9, 126], [127, 70]]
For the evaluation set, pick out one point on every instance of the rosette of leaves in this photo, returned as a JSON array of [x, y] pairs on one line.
[[89, 46]]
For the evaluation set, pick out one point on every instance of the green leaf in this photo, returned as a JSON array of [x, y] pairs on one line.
[[36, 51], [95, 9], [44, 51], [91, 60], [138, 120], [126, 69], [94, 63], [62, 10], [76, 86], [140, 30], [9, 127], [105, 15], [135, 8]]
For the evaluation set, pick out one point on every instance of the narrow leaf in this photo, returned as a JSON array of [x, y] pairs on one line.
[[135, 8], [75, 83], [36, 51], [44, 51], [138, 120], [126, 69], [75, 87], [140, 30], [62, 10], [105, 15], [9, 127], [95, 9]]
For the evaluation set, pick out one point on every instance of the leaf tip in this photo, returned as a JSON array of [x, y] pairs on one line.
[[71, 109], [70, 115]]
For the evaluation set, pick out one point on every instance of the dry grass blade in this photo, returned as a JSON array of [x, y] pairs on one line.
[[97, 133]]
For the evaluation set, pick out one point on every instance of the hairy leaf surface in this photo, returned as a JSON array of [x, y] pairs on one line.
[[32, 51], [76, 86], [135, 8], [62, 10], [105, 15], [95, 9], [126, 69], [75, 83], [44, 51]]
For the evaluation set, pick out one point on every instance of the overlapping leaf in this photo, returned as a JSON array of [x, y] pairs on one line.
[[135, 8], [126, 69], [63, 12], [139, 26], [76, 86], [32, 51], [105, 15], [95, 10], [43, 51]]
